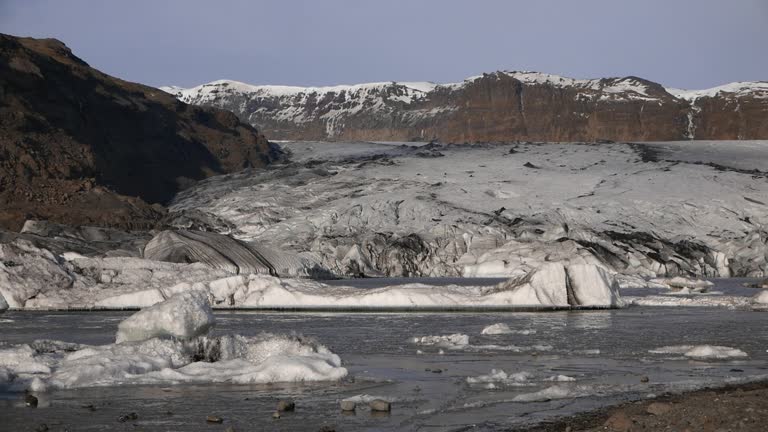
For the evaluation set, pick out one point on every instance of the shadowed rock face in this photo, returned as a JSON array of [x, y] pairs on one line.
[[501, 106], [80, 147]]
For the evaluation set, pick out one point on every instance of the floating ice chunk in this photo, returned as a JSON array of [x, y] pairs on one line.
[[118, 363], [715, 352], [702, 352], [273, 369], [554, 392], [593, 286], [560, 378], [496, 329], [232, 359], [453, 342], [498, 376], [730, 302], [760, 298], [678, 282], [184, 315]]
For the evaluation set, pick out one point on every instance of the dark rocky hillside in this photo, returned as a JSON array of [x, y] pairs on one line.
[[78, 146]]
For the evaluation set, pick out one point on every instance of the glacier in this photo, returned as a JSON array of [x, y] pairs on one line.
[[498, 210]]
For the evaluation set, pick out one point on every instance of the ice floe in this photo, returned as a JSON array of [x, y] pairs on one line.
[[496, 329], [39, 279], [501, 329], [454, 341], [679, 282], [702, 352], [165, 344]]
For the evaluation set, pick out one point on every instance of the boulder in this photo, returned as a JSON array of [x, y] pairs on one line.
[[380, 405], [286, 405]]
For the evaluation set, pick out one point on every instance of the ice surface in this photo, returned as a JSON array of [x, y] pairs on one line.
[[3, 303], [702, 352], [477, 211], [184, 315]]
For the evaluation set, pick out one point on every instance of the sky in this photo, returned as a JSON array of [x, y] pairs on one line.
[[679, 43]]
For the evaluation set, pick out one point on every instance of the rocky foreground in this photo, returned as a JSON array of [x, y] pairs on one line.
[[734, 408], [500, 106], [83, 148]]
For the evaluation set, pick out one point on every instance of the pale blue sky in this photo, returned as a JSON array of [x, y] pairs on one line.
[[679, 43]]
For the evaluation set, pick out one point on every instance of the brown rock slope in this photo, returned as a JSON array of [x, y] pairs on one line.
[[81, 147], [500, 106]]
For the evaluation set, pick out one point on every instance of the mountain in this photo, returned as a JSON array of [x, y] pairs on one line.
[[500, 106], [78, 146]]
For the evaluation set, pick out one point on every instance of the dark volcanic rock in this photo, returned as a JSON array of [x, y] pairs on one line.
[[83, 148]]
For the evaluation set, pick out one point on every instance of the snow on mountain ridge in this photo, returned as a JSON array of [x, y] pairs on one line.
[[758, 89], [612, 86]]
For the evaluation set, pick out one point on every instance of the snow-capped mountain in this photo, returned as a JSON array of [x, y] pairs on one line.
[[499, 106]]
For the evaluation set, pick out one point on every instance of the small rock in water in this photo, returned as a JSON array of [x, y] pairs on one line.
[[658, 408], [214, 419], [644, 379], [380, 405], [127, 417], [286, 405], [327, 429], [347, 405], [30, 400], [42, 428], [437, 371], [276, 415], [229, 429], [89, 407]]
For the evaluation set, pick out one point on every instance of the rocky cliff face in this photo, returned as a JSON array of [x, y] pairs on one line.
[[501, 106], [81, 147]]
